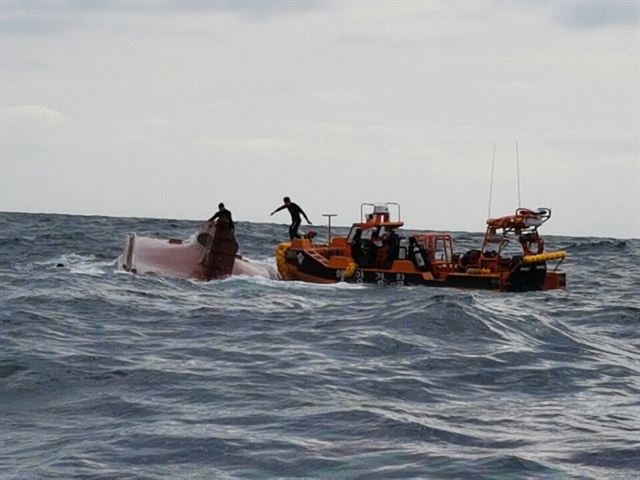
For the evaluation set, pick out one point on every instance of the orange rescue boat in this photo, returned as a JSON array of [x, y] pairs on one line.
[[512, 256]]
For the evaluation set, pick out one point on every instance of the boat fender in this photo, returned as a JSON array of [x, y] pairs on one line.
[[283, 268], [543, 257], [350, 270], [478, 271]]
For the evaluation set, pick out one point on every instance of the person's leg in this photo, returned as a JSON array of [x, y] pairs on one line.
[[293, 230]]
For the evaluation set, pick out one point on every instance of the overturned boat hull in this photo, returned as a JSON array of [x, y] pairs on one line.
[[210, 253]]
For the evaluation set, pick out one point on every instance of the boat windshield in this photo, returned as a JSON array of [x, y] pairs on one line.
[[369, 232]]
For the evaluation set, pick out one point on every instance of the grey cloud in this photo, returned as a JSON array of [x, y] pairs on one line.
[[581, 14], [55, 16], [259, 8], [36, 18], [597, 14], [577, 14]]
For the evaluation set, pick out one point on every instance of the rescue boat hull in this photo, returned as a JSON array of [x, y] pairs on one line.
[[376, 251], [310, 265]]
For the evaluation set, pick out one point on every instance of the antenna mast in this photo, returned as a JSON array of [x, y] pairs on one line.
[[518, 173], [493, 165]]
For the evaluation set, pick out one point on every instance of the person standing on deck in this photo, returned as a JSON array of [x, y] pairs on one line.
[[295, 211]]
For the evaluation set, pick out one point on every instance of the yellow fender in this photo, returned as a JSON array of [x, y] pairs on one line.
[[478, 271], [350, 270], [543, 257], [283, 268]]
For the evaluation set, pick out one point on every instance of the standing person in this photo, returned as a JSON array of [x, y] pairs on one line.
[[223, 214], [294, 211]]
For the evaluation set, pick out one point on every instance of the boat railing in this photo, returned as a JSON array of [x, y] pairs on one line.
[[379, 209]]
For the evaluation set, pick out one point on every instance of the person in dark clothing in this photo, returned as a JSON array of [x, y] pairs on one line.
[[356, 247], [394, 244], [294, 211], [223, 214]]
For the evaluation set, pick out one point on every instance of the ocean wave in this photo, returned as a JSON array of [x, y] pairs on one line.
[[107, 374], [598, 245]]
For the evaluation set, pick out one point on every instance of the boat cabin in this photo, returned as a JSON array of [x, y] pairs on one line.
[[375, 243]]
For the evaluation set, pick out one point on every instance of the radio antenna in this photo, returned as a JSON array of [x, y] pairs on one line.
[[493, 165], [518, 173]]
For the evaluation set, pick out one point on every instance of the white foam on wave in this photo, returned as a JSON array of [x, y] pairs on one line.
[[255, 279], [78, 264], [66, 259], [292, 284]]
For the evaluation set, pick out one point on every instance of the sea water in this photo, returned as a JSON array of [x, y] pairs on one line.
[[105, 374]]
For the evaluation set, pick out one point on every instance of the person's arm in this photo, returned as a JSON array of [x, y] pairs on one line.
[[215, 215], [278, 209], [305, 215], [231, 224]]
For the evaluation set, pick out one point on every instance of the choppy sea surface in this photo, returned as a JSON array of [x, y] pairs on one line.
[[105, 374]]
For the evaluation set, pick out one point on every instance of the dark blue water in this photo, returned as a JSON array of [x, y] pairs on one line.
[[104, 374]]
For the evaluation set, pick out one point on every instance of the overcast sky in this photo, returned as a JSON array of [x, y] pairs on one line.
[[163, 108]]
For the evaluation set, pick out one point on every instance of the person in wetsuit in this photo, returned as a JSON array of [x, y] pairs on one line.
[[294, 211], [356, 247], [223, 214]]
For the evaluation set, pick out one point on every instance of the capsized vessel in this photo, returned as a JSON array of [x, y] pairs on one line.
[[210, 253], [375, 251]]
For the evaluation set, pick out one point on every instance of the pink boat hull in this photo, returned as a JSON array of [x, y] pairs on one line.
[[181, 258]]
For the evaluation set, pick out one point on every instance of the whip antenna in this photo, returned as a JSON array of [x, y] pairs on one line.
[[518, 173], [493, 165]]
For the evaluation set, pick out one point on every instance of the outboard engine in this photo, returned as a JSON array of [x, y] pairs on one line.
[[220, 250]]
